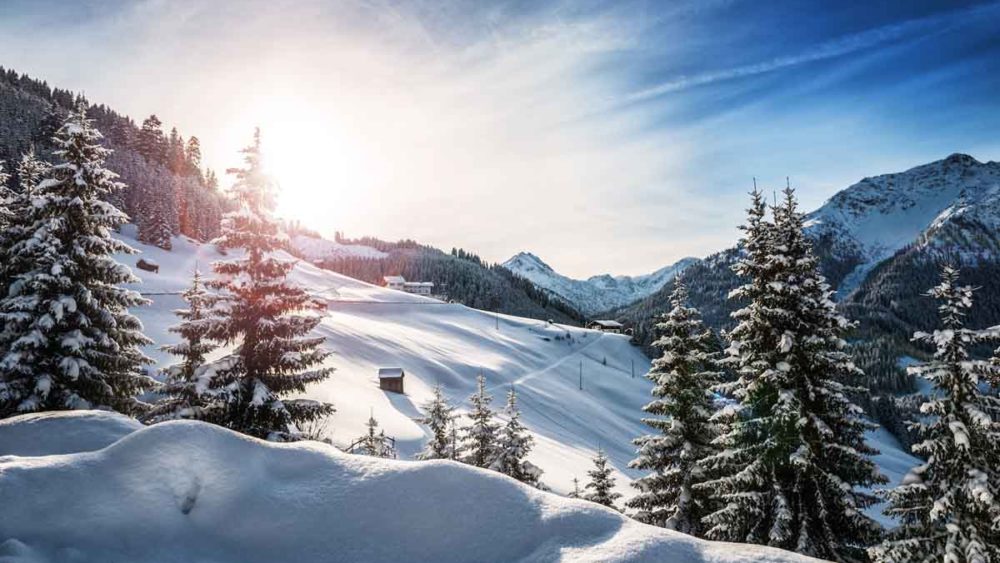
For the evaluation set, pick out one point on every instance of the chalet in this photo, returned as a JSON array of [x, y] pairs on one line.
[[613, 327], [391, 379], [148, 265], [395, 282], [399, 283]]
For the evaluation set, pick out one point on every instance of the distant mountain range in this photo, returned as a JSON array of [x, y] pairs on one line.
[[598, 293]]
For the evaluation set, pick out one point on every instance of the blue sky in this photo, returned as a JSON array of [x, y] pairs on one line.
[[604, 137]]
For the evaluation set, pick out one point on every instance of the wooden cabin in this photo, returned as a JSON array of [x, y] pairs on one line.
[[391, 379]]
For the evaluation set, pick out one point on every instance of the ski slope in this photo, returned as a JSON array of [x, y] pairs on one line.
[[190, 491], [368, 327]]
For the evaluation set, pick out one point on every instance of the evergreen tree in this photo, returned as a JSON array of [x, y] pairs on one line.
[[602, 483], [440, 415], [18, 219], [150, 142], [69, 341], [480, 437], [7, 198], [513, 446], [375, 444], [155, 221], [794, 451], [261, 311], [669, 495], [193, 156], [187, 389], [949, 507], [30, 171], [575, 493]]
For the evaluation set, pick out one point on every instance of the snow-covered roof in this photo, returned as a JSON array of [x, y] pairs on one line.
[[394, 279], [607, 323], [390, 373], [419, 284]]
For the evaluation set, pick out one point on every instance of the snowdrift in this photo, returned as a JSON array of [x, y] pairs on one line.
[[189, 491]]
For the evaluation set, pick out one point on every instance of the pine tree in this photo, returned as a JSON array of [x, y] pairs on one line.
[[440, 415], [155, 221], [513, 446], [374, 444], [949, 507], [794, 452], [575, 493], [187, 391], [669, 495], [480, 437], [7, 197], [602, 483], [150, 142], [69, 341], [30, 171], [261, 311]]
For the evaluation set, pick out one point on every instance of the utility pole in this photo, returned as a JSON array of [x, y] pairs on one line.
[[581, 375], [633, 368]]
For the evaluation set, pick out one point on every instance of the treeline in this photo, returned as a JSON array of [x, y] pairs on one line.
[[462, 276], [167, 190]]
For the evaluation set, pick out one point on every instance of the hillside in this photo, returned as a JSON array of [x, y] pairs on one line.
[[459, 276], [189, 491], [368, 327], [597, 293]]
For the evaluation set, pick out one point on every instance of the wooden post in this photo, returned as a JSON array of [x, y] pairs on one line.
[[581, 375]]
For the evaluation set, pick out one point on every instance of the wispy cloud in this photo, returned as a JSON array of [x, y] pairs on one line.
[[868, 39]]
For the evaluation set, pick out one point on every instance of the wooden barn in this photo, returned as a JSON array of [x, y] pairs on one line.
[[391, 379]]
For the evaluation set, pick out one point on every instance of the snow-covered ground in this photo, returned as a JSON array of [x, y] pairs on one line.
[[188, 491], [369, 327]]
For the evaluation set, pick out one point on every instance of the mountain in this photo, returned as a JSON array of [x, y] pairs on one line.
[[597, 293]]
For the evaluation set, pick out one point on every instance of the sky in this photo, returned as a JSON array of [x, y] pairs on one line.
[[609, 137]]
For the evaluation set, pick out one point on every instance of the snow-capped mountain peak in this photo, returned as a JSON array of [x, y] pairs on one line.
[[597, 293]]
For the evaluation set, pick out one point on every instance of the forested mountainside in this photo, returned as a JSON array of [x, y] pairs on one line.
[[167, 190], [460, 276], [881, 243]]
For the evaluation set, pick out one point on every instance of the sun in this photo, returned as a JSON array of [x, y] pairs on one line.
[[318, 174]]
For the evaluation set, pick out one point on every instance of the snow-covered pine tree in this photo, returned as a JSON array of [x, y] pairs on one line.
[[513, 445], [794, 454], [456, 451], [439, 416], [602, 483], [187, 390], [69, 341], [155, 222], [682, 376], [374, 443], [479, 439], [30, 171], [7, 198], [266, 315], [949, 507], [575, 493]]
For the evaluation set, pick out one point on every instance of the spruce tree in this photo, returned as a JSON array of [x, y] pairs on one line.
[[480, 437], [602, 483], [575, 493], [375, 444], [187, 391], [69, 341], [7, 199], [513, 445], [794, 453], [440, 416], [669, 495], [268, 318], [18, 219], [949, 507]]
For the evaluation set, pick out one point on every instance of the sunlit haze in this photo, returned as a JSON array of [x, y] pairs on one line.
[[604, 139]]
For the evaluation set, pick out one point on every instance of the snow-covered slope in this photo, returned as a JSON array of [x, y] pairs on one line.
[[314, 249], [597, 293], [369, 327], [188, 491], [953, 204]]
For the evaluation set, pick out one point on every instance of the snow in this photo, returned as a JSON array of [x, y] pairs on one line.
[[370, 327], [314, 249], [894, 462], [390, 373], [51, 433], [598, 293], [189, 491]]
